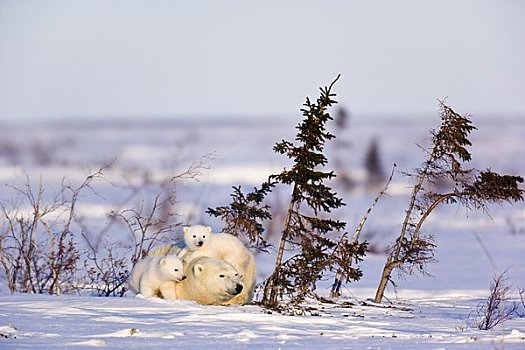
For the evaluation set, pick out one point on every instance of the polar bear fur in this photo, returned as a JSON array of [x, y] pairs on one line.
[[197, 236], [210, 282], [179, 249], [201, 242], [155, 276]]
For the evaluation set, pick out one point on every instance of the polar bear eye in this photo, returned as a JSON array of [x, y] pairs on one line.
[[236, 274], [194, 236], [221, 276], [176, 270], [203, 236]]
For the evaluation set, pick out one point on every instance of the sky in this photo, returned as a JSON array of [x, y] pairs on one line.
[[160, 58]]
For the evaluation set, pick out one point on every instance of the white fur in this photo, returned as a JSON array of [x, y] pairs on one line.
[[172, 249], [210, 282], [196, 236], [201, 242], [155, 276]]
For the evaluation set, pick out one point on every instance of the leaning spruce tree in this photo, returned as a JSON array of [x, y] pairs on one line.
[[314, 243], [474, 189]]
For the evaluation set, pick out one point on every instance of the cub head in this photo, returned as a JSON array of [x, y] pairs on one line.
[[221, 279], [171, 268], [197, 236]]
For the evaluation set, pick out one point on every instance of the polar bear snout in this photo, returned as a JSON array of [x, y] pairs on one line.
[[182, 278], [238, 288], [200, 243]]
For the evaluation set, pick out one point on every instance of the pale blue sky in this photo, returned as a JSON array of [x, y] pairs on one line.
[[103, 58]]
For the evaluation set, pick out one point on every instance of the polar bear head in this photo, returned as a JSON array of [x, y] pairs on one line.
[[197, 236], [212, 281], [170, 268]]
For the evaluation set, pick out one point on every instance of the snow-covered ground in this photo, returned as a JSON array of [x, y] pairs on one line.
[[425, 313], [434, 321]]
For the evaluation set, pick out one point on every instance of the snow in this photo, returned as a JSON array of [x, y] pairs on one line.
[[436, 312], [73, 322]]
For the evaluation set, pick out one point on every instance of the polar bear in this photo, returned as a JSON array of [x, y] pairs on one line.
[[194, 238], [200, 241], [154, 276], [197, 236], [210, 282]]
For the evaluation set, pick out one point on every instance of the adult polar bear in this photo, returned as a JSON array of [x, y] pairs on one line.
[[200, 241], [208, 281]]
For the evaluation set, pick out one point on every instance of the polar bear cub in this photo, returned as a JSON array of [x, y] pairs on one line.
[[155, 276], [200, 241], [197, 237]]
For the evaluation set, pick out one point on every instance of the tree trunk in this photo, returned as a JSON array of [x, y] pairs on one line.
[[270, 289], [336, 286], [394, 255], [385, 277]]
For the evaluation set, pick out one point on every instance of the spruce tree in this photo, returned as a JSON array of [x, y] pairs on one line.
[[472, 188], [315, 242]]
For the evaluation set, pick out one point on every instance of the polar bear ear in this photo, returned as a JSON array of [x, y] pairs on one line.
[[163, 262], [185, 229], [208, 228], [198, 269]]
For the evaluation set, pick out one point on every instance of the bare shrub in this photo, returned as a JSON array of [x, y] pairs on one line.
[[497, 308], [106, 275], [38, 252]]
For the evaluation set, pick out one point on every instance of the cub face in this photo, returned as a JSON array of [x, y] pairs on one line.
[[197, 236], [172, 268]]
